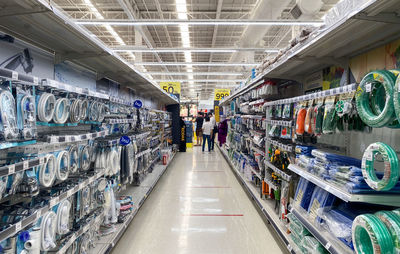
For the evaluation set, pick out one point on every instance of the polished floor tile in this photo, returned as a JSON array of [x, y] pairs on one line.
[[198, 206]]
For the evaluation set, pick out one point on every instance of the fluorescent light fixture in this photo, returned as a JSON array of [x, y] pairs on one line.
[[202, 80], [195, 73], [194, 64], [187, 49], [182, 19]]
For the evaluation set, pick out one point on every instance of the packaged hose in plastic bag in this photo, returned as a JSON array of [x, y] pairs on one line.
[[364, 96], [318, 117], [296, 226], [319, 199], [339, 159], [370, 235], [287, 111], [308, 120], [337, 223], [391, 171], [304, 192], [304, 150], [300, 119], [312, 246]]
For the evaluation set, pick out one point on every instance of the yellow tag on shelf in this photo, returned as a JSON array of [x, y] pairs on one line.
[[219, 94]]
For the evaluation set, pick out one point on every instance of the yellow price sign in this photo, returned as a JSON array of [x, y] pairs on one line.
[[219, 94], [171, 87]]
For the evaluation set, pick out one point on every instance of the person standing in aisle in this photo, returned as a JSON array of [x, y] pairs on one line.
[[207, 133], [199, 127], [215, 129]]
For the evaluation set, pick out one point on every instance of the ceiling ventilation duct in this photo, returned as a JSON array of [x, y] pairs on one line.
[[306, 8]]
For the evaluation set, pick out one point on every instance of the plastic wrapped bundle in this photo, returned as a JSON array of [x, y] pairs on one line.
[[340, 159], [312, 246], [338, 223], [304, 161], [392, 222], [304, 192], [296, 226], [304, 150], [319, 199]]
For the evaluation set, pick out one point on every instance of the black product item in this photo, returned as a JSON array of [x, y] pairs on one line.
[[182, 143], [127, 164]]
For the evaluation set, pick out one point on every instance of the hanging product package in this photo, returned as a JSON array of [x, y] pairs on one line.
[[26, 112], [287, 111], [309, 119], [8, 116], [391, 170], [304, 192], [330, 116], [370, 235], [300, 120], [374, 80], [318, 117]]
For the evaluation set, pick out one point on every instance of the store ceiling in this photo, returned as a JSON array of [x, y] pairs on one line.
[[181, 37]]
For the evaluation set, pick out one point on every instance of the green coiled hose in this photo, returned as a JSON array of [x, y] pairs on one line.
[[370, 236], [378, 105], [392, 222], [391, 172], [365, 111], [396, 98]]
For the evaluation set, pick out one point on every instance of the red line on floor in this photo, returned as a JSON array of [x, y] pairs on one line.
[[219, 187], [208, 171], [214, 214]]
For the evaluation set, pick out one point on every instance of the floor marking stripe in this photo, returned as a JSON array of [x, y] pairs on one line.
[[211, 187], [215, 214]]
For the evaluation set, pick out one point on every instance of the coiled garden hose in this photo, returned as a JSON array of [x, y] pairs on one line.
[[28, 112], [84, 109], [73, 159], [75, 111], [61, 111], [113, 161], [392, 222], [102, 112], [8, 115], [62, 168], [85, 158], [45, 108], [391, 171], [48, 231], [396, 98], [47, 171], [377, 105], [63, 212], [370, 235], [363, 94], [94, 111], [301, 117]]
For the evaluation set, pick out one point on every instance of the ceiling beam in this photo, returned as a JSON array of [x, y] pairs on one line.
[[198, 22]]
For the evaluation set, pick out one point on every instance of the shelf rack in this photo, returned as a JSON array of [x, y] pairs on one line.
[[287, 148], [15, 228], [282, 174], [288, 123], [332, 244], [265, 206], [392, 200], [21, 166]]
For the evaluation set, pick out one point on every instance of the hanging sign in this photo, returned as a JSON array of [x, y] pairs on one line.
[[219, 94], [171, 87], [138, 104], [124, 140]]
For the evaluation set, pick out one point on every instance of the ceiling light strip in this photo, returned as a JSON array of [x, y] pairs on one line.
[[198, 22], [201, 80], [195, 64], [193, 50], [195, 73]]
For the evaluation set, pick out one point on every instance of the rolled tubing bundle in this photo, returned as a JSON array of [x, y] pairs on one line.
[[392, 222], [370, 235], [366, 112], [391, 171]]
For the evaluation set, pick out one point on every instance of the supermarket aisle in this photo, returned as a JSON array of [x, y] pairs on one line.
[[198, 207]]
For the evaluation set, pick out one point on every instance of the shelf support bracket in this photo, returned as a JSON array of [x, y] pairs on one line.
[[384, 17]]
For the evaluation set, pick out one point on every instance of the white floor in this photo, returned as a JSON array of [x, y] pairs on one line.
[[198, 206]]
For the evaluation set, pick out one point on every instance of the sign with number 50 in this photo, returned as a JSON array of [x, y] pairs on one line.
[[171, 87], [220, 94]]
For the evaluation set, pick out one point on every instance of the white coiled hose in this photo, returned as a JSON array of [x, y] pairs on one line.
[[102, 112], [48, 227], [73, 159], [47, 171], [28, 111], [62, 169], [45, 108], [75, 111], [61, 111], [63, 212], [94, 111], [113, 162], [101, 161], [84, 158], [8, 115], [84, 109]]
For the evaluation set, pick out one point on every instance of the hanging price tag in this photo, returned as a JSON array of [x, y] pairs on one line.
[[368, 87], [26, 165], [11, 169], [18, 226]]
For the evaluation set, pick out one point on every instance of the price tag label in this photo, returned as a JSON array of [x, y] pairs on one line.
[[41, 160], [14, 75], [18, 226], [368, 87], [11, 169], [53, 201], [35, 80], [26, 165], [81, 185], [70, 192], [328, 245]]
